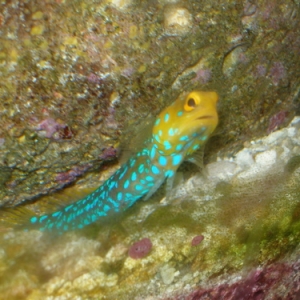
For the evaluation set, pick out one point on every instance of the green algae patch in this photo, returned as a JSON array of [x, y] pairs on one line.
[[96, 261]]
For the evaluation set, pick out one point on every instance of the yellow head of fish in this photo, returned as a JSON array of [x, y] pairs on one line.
[[186, 124]]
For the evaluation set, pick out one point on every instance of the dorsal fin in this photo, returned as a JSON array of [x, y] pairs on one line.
[[137, 137]]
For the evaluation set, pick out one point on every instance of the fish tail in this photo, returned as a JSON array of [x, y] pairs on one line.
[[75, 215]]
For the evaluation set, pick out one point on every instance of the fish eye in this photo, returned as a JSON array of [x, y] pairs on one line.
[[191, 102]]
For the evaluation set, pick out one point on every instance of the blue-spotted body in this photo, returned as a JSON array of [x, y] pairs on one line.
[[179, 130]]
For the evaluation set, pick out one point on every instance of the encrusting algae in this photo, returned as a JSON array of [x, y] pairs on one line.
[[179, 131]]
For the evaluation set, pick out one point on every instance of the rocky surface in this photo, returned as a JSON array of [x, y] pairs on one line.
[[75, 74]]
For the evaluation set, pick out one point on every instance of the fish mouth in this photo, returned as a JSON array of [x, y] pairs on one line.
[[205, 117]]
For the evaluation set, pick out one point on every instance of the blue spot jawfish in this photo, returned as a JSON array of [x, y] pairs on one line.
[[179, 130]]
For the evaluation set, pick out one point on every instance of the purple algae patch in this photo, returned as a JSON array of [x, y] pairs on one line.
[[108, 153], [260, 71], [277, 72], [54, 130], [276, 121], [197, 240], [202, 76], [140, 248]]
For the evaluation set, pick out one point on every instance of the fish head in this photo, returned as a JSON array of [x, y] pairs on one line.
[[186, 124]]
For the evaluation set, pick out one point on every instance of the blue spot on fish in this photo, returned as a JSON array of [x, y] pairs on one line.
[[119, 196], [177, 159], [138, 187], [152, 153], [157, 121], [70, 218], [133, 176], [141, 168], [162, 161], [106, 208], [156, 137], [68, 208], [171, 132], [180, 113], [114, 203], [203, 138], [167, 145], [86, 222], [33, 220], [169, 173], [42, 218], [126, 184], [167, 117], [128, 196], [179, 147], [56, 214], [155, 170], [123, 173], [132, 162], [149, 178], [112, 185], [184, 138]]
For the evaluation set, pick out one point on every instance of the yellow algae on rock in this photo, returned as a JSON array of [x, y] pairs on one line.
[[37, 30], [177, 21], [22, 139], [142, 68], [121, 4], [72, 40], [133, 31], [2, 55], [37, 15], [14, 55]]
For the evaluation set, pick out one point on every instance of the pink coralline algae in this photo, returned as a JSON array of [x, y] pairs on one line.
[[71, 175], [202, 76], [260, 71], [140, 248], [54, 129], [108, 153], [280, 281], [197, 240], [276, 121], [93, 78], [277, 72]]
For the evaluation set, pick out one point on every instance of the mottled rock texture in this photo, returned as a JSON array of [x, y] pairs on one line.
[[75, 74]]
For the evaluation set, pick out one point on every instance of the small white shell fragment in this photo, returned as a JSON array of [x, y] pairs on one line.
[[177, 21], [244, 158], [167, 274], [221, 169], [266, 158]]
